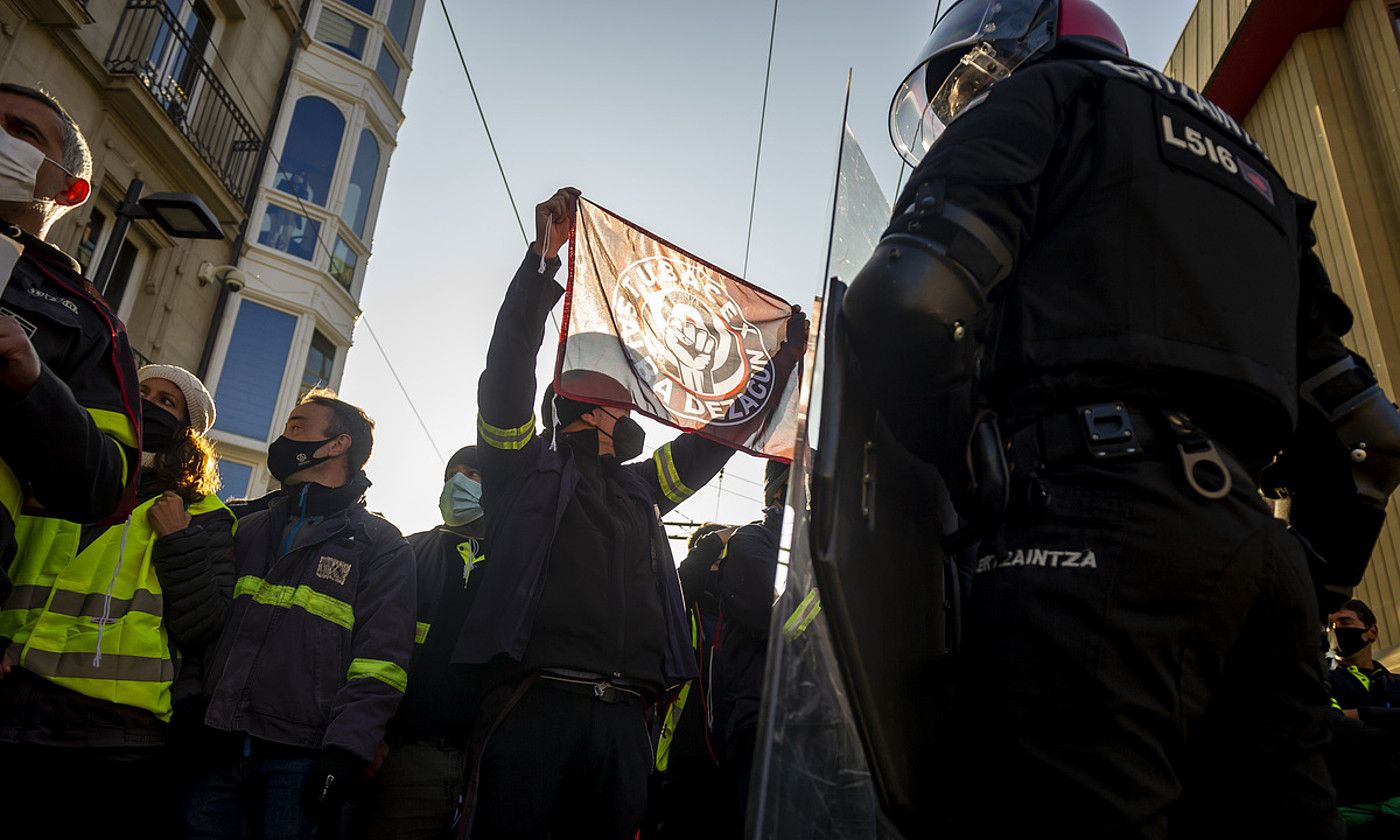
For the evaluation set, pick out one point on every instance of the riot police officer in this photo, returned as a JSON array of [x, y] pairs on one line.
[[1097, 310]]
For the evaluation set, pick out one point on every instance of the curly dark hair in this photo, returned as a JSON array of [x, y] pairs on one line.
[[189, 467]]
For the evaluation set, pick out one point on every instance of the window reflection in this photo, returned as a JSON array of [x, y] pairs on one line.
[[400, 16], [358, 192], [320, 361], [309, 153], [388, 70], [343, 262], [289, 232], [340, 32]]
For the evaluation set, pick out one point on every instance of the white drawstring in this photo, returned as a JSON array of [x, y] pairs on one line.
[[554, 423], [107, 601], [545, 248]]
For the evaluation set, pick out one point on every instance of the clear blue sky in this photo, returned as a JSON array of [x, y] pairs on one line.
[[652, 109]]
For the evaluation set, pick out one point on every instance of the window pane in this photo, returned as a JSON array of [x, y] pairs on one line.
[[388, 70], [366, 6], [87, 246], [361, 186], [121, 275], [289, 232], [308, 155], [320, 361], [400, 16], [176, 53], [342, 33], [252, 374], [343, 262], [233, 479]]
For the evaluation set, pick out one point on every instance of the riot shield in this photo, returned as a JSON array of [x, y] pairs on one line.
[[857, 692], [889, 594]]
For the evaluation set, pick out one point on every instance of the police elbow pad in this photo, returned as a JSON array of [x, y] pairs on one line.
[[1364, 420], [913, 305]]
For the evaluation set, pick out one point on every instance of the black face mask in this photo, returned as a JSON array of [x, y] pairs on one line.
[[1350, 640], [286, 456], [159, 428], [628, 438]]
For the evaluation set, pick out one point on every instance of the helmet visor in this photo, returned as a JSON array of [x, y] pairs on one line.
[[975, 45]]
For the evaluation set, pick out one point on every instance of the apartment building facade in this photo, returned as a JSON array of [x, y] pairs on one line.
[[282, 117]]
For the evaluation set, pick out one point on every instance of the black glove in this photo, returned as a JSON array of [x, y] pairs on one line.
[[796, 329], [1339, 527], [342, 773]]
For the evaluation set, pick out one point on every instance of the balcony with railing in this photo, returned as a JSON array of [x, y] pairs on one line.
[[166, 56]]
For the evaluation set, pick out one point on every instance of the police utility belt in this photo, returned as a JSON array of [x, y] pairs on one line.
[[1112, 431], [602, 688]]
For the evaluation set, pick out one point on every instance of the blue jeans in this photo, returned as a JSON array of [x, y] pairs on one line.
[[262, 794]]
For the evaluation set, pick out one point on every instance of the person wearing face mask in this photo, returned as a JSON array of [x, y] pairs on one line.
[[1364, 756], [69, 407], [313, 659], [416, 790], [580, 613], [108, 627]]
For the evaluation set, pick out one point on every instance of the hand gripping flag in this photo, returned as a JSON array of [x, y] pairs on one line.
[[653, 328]]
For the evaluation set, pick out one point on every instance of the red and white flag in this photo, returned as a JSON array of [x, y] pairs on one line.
[[650, 327]]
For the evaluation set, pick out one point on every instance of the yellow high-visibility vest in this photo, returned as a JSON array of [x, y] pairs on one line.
[[673, 714], [92, 620]]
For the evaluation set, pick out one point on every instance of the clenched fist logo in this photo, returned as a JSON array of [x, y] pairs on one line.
[[693, 347]]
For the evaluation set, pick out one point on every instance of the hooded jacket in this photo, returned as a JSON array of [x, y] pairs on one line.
[[316, 650]]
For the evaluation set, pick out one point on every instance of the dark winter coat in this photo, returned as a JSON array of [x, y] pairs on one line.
[[529, 487], [315, 652]]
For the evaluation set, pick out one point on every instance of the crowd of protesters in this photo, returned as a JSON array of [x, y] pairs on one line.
[[539, 666], [291, 665]]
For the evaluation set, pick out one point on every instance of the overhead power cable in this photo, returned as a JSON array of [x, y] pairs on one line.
[[482, 113], [402, 388], [762, 119]]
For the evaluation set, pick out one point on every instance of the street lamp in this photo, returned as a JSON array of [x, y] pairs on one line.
[[182, 215]]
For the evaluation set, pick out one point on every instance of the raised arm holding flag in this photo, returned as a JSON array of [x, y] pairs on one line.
[[582, 620]]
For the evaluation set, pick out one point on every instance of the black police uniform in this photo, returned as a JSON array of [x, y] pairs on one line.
[[69, 447], [1141, 643]]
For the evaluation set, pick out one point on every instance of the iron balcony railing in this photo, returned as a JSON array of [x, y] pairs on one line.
[[166, 54]]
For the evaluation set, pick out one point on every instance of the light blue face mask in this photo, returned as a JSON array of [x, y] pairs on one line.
[[460, 502]]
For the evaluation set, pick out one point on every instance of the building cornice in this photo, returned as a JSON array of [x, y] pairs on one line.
[[1259, 45]]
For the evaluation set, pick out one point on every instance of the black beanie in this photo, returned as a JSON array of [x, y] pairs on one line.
[[464, 457]]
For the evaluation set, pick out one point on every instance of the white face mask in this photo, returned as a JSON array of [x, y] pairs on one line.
[[19, 168]]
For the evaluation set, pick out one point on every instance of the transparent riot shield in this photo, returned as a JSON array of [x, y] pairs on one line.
[[810, 778], [857, 691]]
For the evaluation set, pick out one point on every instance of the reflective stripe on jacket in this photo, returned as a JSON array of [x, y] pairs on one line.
[[316, 649], [92, 620]]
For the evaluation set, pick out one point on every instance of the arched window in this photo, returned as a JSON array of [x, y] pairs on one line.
[[308, 155], [361, 186]]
